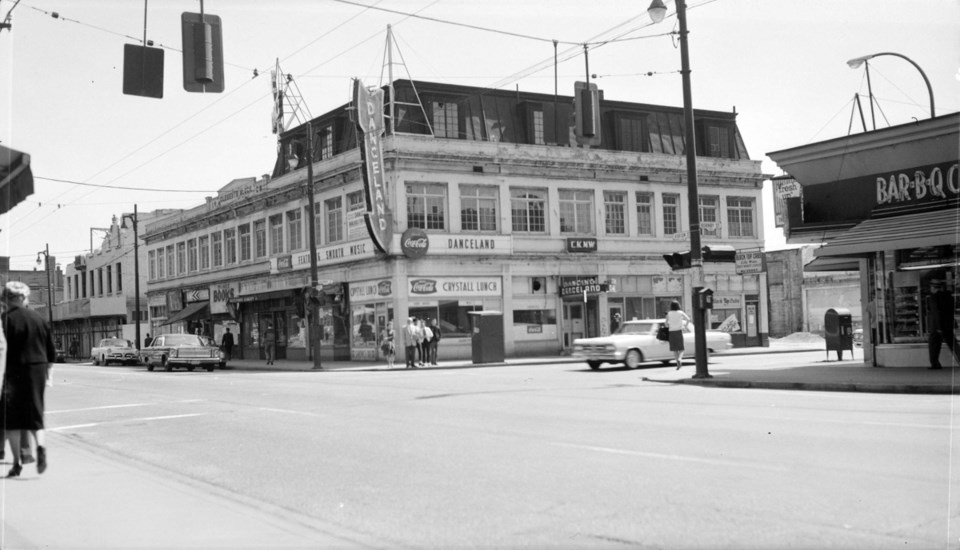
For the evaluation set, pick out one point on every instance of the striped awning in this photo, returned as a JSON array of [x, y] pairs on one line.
[[938, 228]]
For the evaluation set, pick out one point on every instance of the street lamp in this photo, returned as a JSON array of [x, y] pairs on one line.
[[857, 61], [313, 321], [46, 266], [657, 12], [136, 269]]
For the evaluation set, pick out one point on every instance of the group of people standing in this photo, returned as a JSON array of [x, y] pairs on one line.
[[420, 342], [27, 352]]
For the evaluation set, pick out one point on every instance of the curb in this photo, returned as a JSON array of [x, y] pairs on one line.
[[815, 386]]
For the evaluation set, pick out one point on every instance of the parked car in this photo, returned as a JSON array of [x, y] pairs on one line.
[[635, 342], [223, 356], [114, 350], [188, 351]]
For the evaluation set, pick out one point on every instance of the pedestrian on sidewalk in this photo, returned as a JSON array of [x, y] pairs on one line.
[[940, 310], [270, 344], [30, 352], [425, 336], [410, 343], [676, 320], [388, 347], [434, 342], [226, 344]]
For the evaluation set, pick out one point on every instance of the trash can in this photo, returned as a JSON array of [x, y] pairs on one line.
[[838, 331], [487, 336]]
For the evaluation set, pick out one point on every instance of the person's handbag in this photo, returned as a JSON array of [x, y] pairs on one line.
[[663, 333]]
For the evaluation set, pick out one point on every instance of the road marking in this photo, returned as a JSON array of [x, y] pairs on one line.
[[124, 406], [288, 411], [124, 421], [661, 456]]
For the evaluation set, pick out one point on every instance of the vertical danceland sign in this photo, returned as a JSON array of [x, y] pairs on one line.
[[369, 105]]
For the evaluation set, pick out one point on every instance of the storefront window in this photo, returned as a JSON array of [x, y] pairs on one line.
[[452, 317], [364, 338], [538, 317]]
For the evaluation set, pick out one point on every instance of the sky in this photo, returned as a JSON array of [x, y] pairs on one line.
[[95, 152]]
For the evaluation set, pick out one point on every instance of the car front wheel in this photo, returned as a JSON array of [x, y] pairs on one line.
[[633, 359]]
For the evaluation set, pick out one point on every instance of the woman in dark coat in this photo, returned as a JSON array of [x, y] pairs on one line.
[[30, 350]]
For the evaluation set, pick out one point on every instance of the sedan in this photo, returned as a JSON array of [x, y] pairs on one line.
[[636, 342], [181, 350], [114, 350]]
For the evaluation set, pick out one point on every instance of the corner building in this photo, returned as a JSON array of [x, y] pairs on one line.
[[494, 207]]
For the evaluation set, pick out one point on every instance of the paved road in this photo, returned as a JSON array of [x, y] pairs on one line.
[[534, 456]]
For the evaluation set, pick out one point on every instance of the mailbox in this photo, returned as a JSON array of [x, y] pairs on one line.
[[487, 336], [838, 331], [704, 298]]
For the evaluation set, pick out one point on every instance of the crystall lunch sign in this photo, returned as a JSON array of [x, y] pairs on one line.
[[462, 287]]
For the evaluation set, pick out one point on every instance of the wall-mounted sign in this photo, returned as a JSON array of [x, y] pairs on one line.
[[369, 105], [327, 255], [420, 287], [477, 244], [370, 290], [284, 263], [576, 286], [749, 261], [220, 294], [414, 243], [784, 188], [588, 244], [196, 295]]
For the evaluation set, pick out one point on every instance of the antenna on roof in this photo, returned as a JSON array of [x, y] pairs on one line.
[[391, 115], [289, 107]]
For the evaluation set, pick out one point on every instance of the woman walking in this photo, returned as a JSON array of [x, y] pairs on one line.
[[30, 351], [676, 320], [388, 347]]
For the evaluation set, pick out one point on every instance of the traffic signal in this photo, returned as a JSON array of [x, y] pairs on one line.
[[678, 260], [142, 71], [202, 52]]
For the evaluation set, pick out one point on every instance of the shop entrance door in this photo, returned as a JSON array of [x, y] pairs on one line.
[[275, 322], [572, 323], [616, 317]]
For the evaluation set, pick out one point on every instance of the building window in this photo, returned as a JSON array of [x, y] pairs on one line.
[[109, 279], [295, 228], [631, 134], [538, 138], [528, 210], [334, 219], [671, 214], [216, 242], [356, 207], [260, 238], [740, 216], [615, 212], [445, 121], [710, 215], [181, 258], [478, 208], [276, 234], [171, 263], [244, 240], [119, 271], [152, 263], [426, 205], [205, 252], [230, 246], [326, 142], [718, 141], [99, 281], [576, 211], [644, 213], [192, 263]]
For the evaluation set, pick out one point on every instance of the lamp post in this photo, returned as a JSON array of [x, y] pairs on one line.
[[46, 267], [657, 11], [313, 324], [864, 60], [136, 270]]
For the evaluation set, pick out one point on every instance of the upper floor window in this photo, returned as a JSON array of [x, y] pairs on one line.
[[538, 138], [276, 234], [426, 205], [576, 211], [295, 228], [334, 218], [245, 241], [119, 273], [230, 246], [710, 215], [671, 214], [631, 133], [100, 281], [192, 263], [216, 244], [181, 258], [740, 216], [205, 252], [326, 142], [445, 120], [109, 279], [717, 140], [152, 263], [260, 238], [171, 263], [478, 208], [644, 213], [615, 212], [528, 209], [356, 206]]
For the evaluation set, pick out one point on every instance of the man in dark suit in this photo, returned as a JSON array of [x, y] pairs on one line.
[[226, 343], [30, 352], [940, 309]]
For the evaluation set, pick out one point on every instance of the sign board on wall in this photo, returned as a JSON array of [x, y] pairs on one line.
[[371, 290], [783, 189], [749, 261], [423, 287], [220, 294]]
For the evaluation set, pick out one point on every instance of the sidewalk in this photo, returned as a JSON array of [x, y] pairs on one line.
[[850, 375]]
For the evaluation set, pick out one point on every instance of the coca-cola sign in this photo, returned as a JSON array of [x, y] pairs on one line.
[[414, 243], [423, 286]]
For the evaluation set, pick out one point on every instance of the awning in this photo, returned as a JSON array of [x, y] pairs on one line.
[[16, 180], [832, 264], [192, 311], [938, 228]]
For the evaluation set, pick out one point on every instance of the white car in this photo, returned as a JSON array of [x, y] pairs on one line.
[[636, 342], [114, 350]]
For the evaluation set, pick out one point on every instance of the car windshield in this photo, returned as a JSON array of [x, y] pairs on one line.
[[114, 342], [636, 328], [182, 340]]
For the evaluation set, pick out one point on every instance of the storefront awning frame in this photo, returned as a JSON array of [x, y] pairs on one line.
[[937, 228], [192, 311], [16, 178]]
